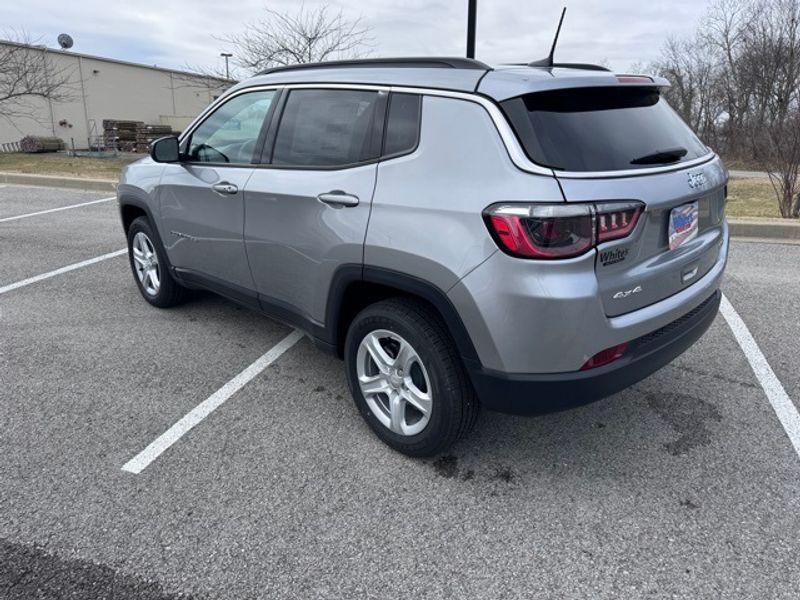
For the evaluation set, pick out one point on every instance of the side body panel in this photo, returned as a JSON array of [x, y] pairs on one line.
[[202, 229], [427, 211], [295, 242]]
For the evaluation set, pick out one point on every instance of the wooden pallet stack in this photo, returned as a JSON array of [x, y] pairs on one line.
[[121, 135], [132, 136], [150, 133]]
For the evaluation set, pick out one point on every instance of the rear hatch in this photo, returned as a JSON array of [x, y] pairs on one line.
[[626, 143]]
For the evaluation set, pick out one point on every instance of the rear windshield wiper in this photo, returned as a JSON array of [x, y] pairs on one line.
[[661, 157]]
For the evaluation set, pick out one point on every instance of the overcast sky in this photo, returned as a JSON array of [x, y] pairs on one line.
[[174, 33]]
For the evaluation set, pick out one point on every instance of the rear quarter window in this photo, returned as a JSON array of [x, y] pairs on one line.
[[601, 129], [402, 125]]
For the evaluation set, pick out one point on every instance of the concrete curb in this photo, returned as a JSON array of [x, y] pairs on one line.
[[769, 229], [737, 174], [80, 183]]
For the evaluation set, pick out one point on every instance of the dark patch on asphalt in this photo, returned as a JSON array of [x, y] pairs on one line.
[[320, 388], [686, 415], [719, 377], [504, 474], [28, 572], [446, 466], [689, 504]]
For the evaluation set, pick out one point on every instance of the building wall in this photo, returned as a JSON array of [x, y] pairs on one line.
[[107, 89]]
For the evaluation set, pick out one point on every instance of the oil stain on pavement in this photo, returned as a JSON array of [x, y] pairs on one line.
[[687, 416], [447, 467], [28, 571]]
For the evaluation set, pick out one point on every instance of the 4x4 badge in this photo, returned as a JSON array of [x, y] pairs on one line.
[[626, 293]]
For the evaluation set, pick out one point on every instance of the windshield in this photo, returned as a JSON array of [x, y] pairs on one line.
[[601, 129]]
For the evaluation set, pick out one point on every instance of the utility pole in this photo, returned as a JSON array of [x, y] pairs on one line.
[[472, 15], [226, 56]]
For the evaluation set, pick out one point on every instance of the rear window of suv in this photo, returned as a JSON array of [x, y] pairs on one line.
[[601, 129]]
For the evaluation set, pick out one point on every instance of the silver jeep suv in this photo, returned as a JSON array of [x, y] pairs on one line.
[[520, 238]]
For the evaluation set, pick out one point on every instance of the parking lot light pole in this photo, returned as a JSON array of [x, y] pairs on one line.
[[226, 56], [472, 12]]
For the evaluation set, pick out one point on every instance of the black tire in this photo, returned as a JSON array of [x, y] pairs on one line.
[[454, 406], [170, 292]]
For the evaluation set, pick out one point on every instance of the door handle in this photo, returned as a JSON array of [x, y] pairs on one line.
[[338, 199], [225, 188]]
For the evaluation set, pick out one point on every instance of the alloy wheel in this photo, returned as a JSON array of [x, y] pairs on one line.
[[145, 261], [394, 382]]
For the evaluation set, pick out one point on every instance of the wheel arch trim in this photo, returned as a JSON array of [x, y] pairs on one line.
[[346, 275], [125, 201]]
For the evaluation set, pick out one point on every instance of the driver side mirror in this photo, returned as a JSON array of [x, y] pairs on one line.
[[165, 150]]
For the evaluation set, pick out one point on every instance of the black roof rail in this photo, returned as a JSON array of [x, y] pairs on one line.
[[421, 62]]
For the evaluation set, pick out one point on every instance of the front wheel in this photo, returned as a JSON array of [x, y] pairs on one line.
[[407, 379], [149, 266]]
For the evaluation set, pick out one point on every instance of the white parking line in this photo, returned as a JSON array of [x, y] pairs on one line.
[[139, 462], [52, 210], [777, 396], [61, 271]]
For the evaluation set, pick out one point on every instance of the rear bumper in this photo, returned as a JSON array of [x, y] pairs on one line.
[[542, 393]]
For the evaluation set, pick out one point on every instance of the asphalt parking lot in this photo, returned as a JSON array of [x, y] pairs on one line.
[[686, 485]]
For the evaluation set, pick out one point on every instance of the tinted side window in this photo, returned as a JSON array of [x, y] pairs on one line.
[[402, 127], [230, 134], [325, 128]]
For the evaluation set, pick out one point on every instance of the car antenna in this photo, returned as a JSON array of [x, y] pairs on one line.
[[548, 62]]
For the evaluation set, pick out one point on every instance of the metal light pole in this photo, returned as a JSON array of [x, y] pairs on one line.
[[472, 15], [226, 56]]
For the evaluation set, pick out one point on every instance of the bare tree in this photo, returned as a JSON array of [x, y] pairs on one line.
[[309, 35], [690, 66], [776, 147], [724, 33], [743, 64], [27, 75], [772, 60]]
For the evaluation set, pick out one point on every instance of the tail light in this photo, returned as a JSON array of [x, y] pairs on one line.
[[553, 231], [543, 231], [616, 219]]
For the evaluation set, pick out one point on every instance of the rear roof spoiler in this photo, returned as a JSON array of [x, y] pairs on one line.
[[503, 84], [581, 66]]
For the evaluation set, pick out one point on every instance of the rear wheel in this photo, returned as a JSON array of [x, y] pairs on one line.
[[407, 379], [149, 266]]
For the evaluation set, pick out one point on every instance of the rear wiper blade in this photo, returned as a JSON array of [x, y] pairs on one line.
[[661, 157]]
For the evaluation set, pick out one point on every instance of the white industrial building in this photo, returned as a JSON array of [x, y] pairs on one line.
[[105, 88]]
